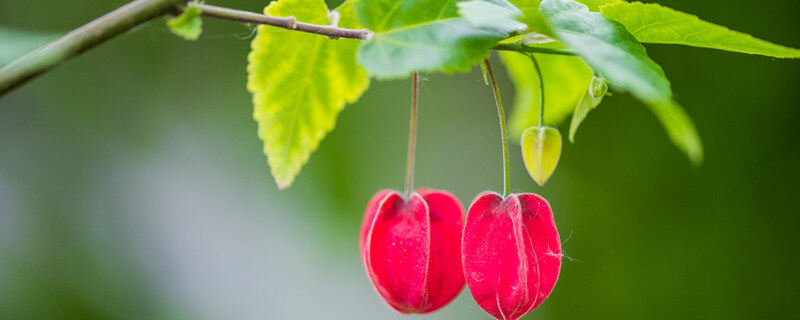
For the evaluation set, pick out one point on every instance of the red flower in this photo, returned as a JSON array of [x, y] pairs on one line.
[[511, 253], [411, 248]]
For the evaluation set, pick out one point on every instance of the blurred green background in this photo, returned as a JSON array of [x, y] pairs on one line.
[[133, 186]]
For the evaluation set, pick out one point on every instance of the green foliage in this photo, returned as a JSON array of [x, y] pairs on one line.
[[680, 129], [188, 24], [492, 13], [608, 48], [15, 43], [594, 5], [512, 17], [530, 16], [565, 80], [615, 54], [590, 99], [420, 35], [654, 23], [300, 82], [451, 36]]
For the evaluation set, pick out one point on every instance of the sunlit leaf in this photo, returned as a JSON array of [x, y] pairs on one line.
[[594, 5], [300, 82], [531, 16], [509, 16], [541, 149], [616, 55], [492, 13], [188, 24], [654, 23], [420, 35]]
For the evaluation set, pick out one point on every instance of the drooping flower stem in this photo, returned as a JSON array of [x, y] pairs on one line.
[[504, 135], [541, 89], [412, 134]]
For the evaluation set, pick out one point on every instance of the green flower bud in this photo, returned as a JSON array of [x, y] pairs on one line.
[[541, 148]]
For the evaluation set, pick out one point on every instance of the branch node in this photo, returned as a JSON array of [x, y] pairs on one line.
[[367, 35], [333, 18], [292, 22]]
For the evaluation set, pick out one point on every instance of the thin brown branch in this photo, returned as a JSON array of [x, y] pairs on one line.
[[137, 12], [281, 22]]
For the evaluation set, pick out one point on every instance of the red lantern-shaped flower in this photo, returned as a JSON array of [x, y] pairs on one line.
[[411, 248], [511, 253]]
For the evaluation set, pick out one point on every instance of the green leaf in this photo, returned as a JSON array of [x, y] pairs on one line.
[[591, 98], [492, 13], [511, 17], [188, 24], [616, 55], [680, 129], [594, 5], [654, 23], [565, 80], [420, 35], [608, 48], [300, 82], [541, 149], [531, 16], [15, 43]]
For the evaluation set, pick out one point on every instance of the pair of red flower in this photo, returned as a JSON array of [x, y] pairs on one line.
[[418, 251]]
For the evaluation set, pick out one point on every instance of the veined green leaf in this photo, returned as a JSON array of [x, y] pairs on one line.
[[510, 17], [531, 16], [420, 35], [188, 24], [608, 48], [492, 13], [565, 80], [594, 5], [653, 23], [615, 54], [300, 82]]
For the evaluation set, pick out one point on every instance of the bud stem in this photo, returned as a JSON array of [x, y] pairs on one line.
[[541, 89], [504, 135], [412, 134]]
